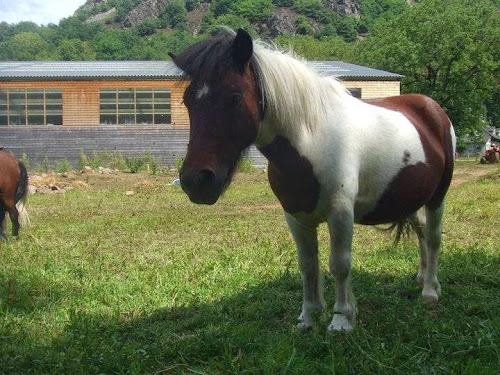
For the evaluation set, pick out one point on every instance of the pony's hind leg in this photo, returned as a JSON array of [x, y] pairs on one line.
[[419, 224], [306, 239], [14, 216], [3, 222], [432, 289], [340, 224]]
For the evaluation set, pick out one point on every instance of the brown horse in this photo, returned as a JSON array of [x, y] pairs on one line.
[[310, 128], [13, 192]]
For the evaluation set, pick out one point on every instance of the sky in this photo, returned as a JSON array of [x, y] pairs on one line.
[[41, 12]]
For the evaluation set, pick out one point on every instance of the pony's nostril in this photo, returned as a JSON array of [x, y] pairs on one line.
[[206, 177]]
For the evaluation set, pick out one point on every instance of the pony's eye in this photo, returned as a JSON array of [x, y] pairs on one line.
[[236, 100]]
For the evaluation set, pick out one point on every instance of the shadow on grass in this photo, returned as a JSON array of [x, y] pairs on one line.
[[252, 331]]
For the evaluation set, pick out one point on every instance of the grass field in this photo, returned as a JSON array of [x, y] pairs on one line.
[[104, 283]]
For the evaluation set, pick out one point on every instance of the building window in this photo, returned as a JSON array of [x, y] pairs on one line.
[[134, 106], [356, 92], [31, 107]]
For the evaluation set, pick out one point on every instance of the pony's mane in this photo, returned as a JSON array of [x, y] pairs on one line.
[[292, 91]]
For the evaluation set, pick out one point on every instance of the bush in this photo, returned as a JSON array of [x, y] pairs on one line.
[[83, 160], [94, 161], [255, 10], [245, 165], [134, 164], [118, 162], [192, 4], [25, 160], [63, 166], [178, 163], [45, 165], [152, 163]]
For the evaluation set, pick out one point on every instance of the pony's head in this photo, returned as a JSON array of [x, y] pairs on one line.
[[224, 111]]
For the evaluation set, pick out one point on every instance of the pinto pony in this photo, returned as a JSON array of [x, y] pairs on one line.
[[13, 193], [309, 127]]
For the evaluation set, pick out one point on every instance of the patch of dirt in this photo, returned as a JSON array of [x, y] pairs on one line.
[[461, 176]]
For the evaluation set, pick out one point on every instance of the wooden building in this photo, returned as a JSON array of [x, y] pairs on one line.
[[55, 109]]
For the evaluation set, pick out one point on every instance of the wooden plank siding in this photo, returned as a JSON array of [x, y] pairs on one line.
[[81, 98], [81, 129], [57, 142], [375, 89]]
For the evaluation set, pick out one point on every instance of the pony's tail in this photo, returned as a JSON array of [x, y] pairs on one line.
[[403, 228], [22, 195]]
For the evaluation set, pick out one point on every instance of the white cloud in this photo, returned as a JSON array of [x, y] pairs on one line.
[[41, 12]]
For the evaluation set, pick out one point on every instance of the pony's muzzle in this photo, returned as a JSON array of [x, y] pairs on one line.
[[202, 187]]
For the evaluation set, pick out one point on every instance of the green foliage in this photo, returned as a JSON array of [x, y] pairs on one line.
[[327, 48], [95, 160], [26, 46], [192, 4], [449, 53], [178, 163], [347, 28], [174, 14], [134, 164], [174, 41], [283, 3], [83, 160], [221, 7], [63, 166], [254, 10], [233, 21], [303, 26], [373, 10], [152, 163], [245, 165], [75, 49], [118, 161], [45, 167], [25, 160], [148, 27]]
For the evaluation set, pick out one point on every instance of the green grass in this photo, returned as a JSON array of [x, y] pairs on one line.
[[103, 283]]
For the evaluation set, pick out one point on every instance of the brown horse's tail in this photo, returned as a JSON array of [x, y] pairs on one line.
[[22, 194]]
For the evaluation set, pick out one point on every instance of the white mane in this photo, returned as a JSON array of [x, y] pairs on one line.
[[294, 93]]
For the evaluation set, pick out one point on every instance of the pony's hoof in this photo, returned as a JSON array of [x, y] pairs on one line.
[[430, 296], [339, 324], [302, 326]]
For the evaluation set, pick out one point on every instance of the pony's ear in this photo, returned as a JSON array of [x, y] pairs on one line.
[[242, 49]]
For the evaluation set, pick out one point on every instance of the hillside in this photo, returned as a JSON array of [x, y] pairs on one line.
[[267, 18]]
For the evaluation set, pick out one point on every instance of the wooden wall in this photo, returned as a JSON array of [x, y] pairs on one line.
[[375, 89], [81, 98], [81, 129]]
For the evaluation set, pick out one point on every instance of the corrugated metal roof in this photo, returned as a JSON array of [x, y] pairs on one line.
[[348, 71], [104, 70], [82, 70]]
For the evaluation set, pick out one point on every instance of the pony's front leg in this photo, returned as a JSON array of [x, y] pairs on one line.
[[306, 239], [340, 224]]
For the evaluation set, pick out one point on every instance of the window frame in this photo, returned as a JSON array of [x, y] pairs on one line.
[[25, 110], [142, 106]]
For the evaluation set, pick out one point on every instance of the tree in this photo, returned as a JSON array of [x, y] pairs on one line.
[[327, 49], [27, 46], [174, 14], [74, 50], [448, 53], [255, 10]]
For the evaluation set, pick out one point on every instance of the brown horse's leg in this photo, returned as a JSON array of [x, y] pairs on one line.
[[14, 216], [2, 222]]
